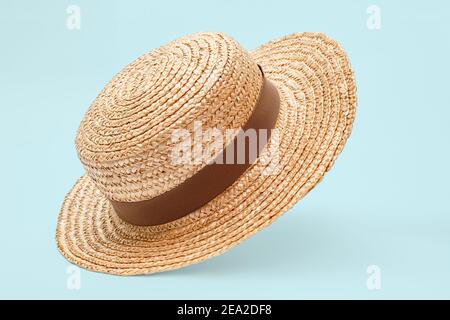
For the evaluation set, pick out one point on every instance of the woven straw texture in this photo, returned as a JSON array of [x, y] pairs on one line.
[[124, 140], [124, 144]]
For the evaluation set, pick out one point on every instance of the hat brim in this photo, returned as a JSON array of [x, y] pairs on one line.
[[318, 99]]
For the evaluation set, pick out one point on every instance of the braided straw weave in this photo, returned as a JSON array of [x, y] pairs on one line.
[[124, 144]]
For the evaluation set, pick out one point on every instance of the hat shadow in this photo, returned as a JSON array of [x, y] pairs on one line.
[[285, 246]]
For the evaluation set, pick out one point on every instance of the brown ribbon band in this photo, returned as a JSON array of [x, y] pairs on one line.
[[211, 180]]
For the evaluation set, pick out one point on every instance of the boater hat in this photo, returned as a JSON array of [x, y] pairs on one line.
[[149, 203]]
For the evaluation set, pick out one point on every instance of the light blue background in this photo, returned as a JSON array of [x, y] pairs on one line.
[[386, 201]]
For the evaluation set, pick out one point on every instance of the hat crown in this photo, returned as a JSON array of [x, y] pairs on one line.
[[125, 138]]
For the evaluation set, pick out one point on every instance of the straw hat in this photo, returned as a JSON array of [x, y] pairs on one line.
[[136, 211]]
